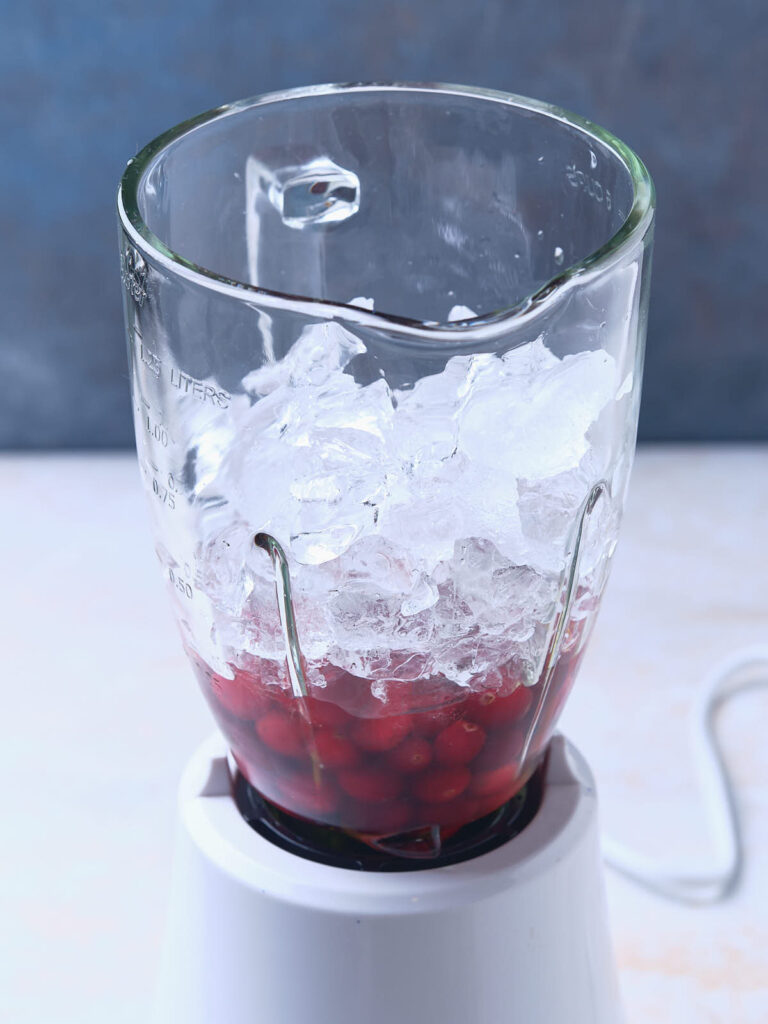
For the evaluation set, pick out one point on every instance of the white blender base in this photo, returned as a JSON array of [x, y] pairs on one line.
[[258, 935]]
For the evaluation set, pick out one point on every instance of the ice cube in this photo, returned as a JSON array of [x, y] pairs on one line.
[[460, 312], [532, 422], [322, 350], [423, 595], [311, 462]]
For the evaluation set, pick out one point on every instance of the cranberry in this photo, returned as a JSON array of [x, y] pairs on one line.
[[370, 784], [380, 734], [335, 751], [282, 733], [324, 714], [301, 793], [459, 743], [430, 723], [241, 696], [412, 755], [252, 757], [280, 697], [501, 748], [493, 710], [494, 780], [441, 784]]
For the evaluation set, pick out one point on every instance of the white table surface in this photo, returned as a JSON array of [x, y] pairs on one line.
[[100, 713]]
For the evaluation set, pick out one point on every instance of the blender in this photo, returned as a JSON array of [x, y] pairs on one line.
[[385, 348]]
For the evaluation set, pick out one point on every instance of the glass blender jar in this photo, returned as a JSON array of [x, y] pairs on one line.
[[385, 348]]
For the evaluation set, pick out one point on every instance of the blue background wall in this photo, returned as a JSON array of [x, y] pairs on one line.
[[84, 84]]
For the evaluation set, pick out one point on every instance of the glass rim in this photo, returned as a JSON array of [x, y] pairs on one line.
[[482, 327]]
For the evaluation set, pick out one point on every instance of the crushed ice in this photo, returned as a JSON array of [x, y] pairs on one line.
[[432, 520]]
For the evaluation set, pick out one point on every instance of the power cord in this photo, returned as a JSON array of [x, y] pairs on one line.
[[744, 670]]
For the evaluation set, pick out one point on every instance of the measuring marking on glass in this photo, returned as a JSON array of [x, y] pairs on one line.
[[134, 271], [184, 383], [162, 481], [179, 583], [153, 362], [156, 430], [588, 184], [199, 389], [166, 493]]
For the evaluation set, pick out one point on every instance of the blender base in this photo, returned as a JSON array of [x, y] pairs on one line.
[[258, 935]]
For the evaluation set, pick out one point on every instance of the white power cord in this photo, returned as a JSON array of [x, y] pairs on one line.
[[746, 669]]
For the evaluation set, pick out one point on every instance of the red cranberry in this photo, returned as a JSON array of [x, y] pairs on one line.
[[301, 793], [282, 733], [440, 785], [459, 743], [430, 723], [493, 710], [380, 734], [501, 748], [494, 780], [241, 696], [335, 751], [413, 755], [370, 784], [325, 715]]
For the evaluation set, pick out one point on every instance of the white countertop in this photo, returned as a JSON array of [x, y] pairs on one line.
[[100, 714]]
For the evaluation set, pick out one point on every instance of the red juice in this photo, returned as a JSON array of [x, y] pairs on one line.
[[402, 765]]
